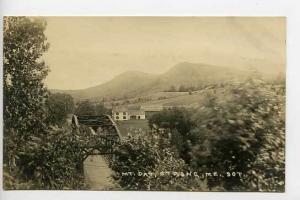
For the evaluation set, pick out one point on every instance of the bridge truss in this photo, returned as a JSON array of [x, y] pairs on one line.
[[101, 131]]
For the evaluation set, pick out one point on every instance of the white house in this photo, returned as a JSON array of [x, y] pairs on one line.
[[120, 114], [127, 113]]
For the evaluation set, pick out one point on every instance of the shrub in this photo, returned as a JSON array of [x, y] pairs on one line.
[[149, 156], [243, 133]]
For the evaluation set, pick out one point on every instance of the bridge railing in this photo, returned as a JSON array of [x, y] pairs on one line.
[[105, 133]]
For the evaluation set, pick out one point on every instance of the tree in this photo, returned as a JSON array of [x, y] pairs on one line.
[[242, 133], [59, 105], [140, 161], [241, 130], [36, 155], [100, 109], [85, 108], [88, 108], [23, 74], [24, 93], [23, 89], [182, 88], [172, 89], [178, 122]]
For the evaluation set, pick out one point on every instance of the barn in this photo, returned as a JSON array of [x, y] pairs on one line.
[[151, 109]]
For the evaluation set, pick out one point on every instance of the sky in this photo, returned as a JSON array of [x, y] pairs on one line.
[[88, 51]]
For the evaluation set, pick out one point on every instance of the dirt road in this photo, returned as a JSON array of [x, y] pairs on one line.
[[97, 173]]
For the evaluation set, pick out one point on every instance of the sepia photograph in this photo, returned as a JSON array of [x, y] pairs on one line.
[[123, 103]]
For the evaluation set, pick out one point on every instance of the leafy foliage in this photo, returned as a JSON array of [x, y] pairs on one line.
[[24, 91], [147, 156], [59, 105], [178, 122], [239, 128], [244, 133], [35, 155], [132, 156], [88, 108]]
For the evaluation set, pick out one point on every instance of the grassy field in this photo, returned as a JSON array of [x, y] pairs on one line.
[[132, 127], [169, 99], [157, 96], [193, 100]]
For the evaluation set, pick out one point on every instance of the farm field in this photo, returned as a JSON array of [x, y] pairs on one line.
[[184, 100], [180, 100], [154, 97]]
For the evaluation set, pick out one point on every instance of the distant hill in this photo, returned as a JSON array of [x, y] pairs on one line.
[[190, 74], [135, 83]]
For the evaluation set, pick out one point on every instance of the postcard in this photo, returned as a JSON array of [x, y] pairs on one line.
[[144, 103]]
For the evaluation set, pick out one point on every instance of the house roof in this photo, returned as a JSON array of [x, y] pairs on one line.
[[136, 108], [132, 110], [136, 112]]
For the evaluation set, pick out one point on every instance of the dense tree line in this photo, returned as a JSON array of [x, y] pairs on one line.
[[86, 107], [200, 86]]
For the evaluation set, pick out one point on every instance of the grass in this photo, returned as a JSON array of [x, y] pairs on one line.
[[132, 127], [193, 100]]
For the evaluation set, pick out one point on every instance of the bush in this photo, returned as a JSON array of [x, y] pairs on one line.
[[240, 127], [49, 162], [177, 122], [243, 133], [149, 156]]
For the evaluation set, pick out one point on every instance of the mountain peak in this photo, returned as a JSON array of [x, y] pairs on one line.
[[134, 83]]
